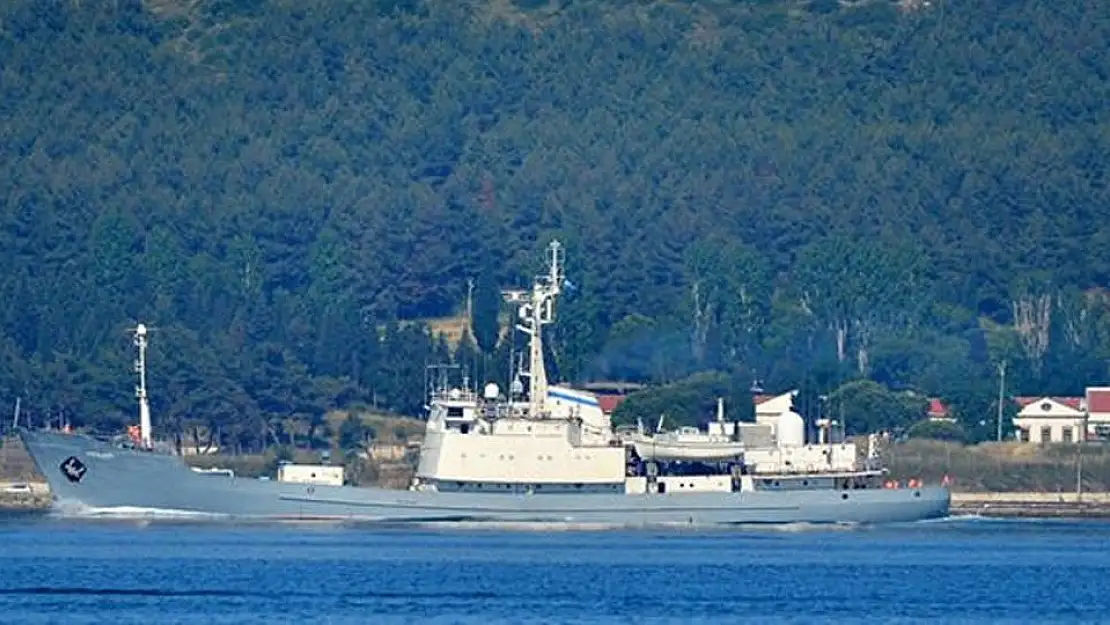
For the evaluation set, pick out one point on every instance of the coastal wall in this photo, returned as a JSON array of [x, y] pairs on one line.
[[18, 472], [1032, 505]]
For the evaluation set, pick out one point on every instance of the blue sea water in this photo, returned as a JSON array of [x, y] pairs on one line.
[[958, 570]]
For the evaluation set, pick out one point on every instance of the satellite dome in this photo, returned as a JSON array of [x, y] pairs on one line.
[[790, 429], [491, 391]]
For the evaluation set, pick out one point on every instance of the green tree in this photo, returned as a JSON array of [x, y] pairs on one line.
[[691, 401], [864, 406], [354, 433], [486, 323]]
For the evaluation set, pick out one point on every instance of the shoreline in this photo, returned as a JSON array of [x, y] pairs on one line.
[[1022, 505]]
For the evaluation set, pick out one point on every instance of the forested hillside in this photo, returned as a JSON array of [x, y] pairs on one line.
[[803, 194]]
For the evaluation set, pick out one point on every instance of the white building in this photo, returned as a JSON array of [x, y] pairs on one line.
[[1051, 419]]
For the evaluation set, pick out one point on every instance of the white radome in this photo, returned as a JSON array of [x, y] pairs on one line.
[[492, 391]]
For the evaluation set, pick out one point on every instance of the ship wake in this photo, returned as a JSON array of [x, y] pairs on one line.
[[78, 510]]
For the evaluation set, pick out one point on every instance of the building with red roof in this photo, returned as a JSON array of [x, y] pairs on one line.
[[1098, 412], [937, 411]]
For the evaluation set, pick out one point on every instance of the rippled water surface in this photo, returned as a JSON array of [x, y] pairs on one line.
[[959, 570]]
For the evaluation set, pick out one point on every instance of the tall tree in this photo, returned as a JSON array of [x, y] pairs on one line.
[[486, 310]]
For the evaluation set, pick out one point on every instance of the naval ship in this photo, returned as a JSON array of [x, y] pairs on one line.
[[541, 454]]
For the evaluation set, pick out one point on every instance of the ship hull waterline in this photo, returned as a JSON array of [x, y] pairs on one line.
[[114, 478]]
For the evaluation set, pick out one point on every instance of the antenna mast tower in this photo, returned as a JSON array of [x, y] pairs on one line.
[[537, 309], [140, 390]]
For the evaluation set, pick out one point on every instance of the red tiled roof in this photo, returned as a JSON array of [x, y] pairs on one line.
[[1098, 400], [937, 408], [1071, 402], [609, 403]]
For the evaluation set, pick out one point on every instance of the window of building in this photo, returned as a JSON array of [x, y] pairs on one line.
[[1046, 434], [1067, 438]]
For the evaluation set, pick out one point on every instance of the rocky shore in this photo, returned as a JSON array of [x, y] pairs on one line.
[[22, 489]]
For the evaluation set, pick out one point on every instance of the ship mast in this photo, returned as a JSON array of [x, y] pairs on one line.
[[536, 311], [140, 390]]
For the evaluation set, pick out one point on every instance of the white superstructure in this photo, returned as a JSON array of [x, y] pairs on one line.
[[775, 444], [551, 438], [556, 436]]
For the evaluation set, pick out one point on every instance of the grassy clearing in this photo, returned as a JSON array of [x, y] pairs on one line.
[[1002, 467], [452, 328]]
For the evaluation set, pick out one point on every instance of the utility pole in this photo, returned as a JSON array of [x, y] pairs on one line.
[[470, 305], [1001, 395], [1079, 472], [1079, 456]]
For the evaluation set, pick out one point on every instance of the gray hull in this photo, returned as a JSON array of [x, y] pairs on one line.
[[110, 478]]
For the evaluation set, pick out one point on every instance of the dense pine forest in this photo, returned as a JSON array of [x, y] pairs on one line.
[[872, 202]]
